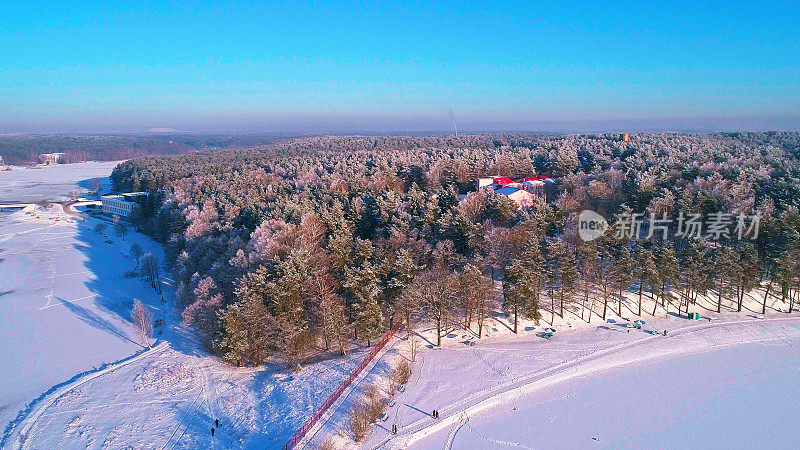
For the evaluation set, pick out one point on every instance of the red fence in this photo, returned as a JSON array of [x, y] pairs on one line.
[[309, 424]]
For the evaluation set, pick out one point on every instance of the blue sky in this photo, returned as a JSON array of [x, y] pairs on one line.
[[414, 66]]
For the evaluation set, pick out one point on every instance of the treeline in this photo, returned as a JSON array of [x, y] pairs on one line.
[[19, 149], [314, 243]]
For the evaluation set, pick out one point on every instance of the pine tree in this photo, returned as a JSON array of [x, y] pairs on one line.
[[667, 270], [289, 296], [588, 269], [694, 274], [725, 270], [330, 311], [475, 291], [202, 313], [400, 277], [521, 290], [563, 273], [369, 319], [747, 274], [623, 273], [232, 342], [261, 327], [644, 271]]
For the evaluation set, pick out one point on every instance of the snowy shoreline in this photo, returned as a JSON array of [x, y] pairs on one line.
[[690, 339]]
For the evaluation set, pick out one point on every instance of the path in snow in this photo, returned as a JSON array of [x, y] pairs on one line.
[[737, 397], [490, 376]]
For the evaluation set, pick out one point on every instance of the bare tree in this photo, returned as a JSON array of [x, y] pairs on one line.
[[94, 187], [119, 227], [150, 271], [100, 227], [136, 253], [143, 321], [435, 290]]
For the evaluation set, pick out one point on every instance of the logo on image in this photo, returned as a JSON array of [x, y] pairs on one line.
[[591, 225]]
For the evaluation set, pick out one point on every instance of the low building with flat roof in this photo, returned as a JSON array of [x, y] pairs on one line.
[[50, 158], [121, 205]]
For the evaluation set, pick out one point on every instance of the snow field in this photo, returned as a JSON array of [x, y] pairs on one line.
[[52, 183], [506, 371]]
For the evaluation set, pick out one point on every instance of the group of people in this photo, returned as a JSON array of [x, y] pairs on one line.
[[435, 415], [216, 425]]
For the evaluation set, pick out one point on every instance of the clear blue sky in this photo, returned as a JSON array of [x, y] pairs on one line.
[[530, 65]]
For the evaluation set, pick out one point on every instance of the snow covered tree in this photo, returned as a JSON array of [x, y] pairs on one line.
[[789, 273], [143, 321], [136, 253], [289, 296], [434, 290], [667, 270], [475, 291], [401, 275], [747, 274], [362, 283], [562, 274], [694, 274], [261, 328], [330, 311], [522, 284], [232, 340], [369, 319], [725, 268], [644, 271], [202, 313]]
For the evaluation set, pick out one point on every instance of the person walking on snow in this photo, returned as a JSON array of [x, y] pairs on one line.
[[212, 431]]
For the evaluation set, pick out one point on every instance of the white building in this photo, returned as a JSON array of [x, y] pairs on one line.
[[122, 205], [486, 181], [50, 158]]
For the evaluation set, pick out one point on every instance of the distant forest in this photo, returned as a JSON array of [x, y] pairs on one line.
[[319, 243], [20, 149]]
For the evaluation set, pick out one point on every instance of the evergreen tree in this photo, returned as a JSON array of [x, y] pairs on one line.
[[400, 277], [644, 271], [667, 271], [232, 342], [521, 287], [369, 320], [474, 291]]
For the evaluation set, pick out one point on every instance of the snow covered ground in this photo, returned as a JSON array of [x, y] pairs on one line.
[[626, 389], [65, 301], [52, 183], [738, 397]]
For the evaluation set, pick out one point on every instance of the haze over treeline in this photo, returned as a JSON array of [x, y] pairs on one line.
[[25, 148]]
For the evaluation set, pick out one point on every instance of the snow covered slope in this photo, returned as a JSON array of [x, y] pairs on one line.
[[65, 301], [477, 384]]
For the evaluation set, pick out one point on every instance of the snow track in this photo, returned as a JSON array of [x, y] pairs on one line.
[[19, 434], [608, 358]]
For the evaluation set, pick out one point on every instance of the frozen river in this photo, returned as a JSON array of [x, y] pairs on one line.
[[53, 183]]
